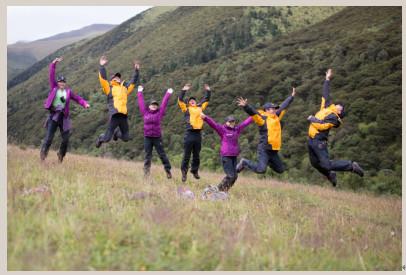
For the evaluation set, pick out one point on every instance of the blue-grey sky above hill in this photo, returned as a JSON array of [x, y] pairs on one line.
[[29, 23]]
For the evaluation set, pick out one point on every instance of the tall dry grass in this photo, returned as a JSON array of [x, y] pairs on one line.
[[86, 214]]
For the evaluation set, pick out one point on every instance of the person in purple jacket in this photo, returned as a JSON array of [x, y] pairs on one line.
[[229, 133], [153, 115], [57, 103]]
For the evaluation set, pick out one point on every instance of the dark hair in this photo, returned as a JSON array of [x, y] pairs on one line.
[[61, 78], [343, 111]]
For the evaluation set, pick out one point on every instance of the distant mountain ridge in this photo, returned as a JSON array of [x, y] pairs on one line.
[[81, 32], [23, 54]]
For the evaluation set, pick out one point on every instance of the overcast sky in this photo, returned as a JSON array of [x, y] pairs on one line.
[[35, 22]]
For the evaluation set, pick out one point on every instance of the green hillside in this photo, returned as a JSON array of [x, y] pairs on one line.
[[255, 52], [100, 214]]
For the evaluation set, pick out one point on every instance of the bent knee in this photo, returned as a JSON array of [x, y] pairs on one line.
[[261, 170]]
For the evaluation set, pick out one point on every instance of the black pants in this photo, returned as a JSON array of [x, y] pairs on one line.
[[266, 157], [319, 158], [119, 121], [192, 144], [229, 166], [149, 144], [51, 129]]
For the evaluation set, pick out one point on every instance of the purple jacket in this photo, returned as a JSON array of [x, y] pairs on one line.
[[54, 87], [229, 136], [152, 119]]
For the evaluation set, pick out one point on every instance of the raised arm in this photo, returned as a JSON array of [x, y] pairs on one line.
[[134, 81], [206, 98], [285, 104], [141, 103], [244, 124], [217, 127], [256, 117], [181, 98], [103, 75], [325, 99], [165, 102], [79, 100], [52, 68]]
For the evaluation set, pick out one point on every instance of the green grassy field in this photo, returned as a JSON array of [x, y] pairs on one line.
[[82, 216]]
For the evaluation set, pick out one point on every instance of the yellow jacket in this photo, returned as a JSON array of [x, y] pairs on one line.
[[192, 113], [116, 92], [270, 129], [326, 118]]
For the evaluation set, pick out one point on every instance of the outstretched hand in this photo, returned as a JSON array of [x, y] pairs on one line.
[[103, 60], [242, 102], [87, 106], [140, 88], [186, 87], [293, 91], [136, 64], [329, 74], [207, 87], [58, 59]]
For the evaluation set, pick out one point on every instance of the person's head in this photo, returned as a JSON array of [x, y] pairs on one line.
[[230, 121], [340, 109], [61, 81], [153, 105], [270, 108], [116, 77], [192, 101]]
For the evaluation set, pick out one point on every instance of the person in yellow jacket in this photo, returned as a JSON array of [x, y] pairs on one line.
[[330, 115], [117, 92], [269, 124], [194, 123]]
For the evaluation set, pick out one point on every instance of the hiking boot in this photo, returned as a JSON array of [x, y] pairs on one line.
[[98, 141], [115, 137], [196, 175], [184, 177], [168, 174], [357, 169], [241, 165], [60, 157], [332, 177]]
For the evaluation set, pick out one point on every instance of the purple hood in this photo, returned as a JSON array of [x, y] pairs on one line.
[[152, 119], [229, 136]]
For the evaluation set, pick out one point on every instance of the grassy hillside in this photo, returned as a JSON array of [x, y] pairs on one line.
[[165, 38], [22, 55], [362, 44], [85, 214]]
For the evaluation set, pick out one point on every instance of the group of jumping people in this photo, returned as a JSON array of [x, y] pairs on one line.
[[268, 119]]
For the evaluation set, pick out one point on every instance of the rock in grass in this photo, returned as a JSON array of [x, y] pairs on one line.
[[42, 189], [217, 196], [185, 193]]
